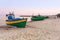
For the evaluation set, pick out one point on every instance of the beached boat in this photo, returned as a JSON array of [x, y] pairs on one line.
[[37, 18], [18, 22]]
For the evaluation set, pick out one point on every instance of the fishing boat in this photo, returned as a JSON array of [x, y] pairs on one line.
[[18, 22], [37, 18]]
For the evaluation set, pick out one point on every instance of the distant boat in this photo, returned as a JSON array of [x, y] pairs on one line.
[[37, 18], [18, 22]]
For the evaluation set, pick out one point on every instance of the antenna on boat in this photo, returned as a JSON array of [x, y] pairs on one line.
[[8, 14], [13, 13], [39, 14]]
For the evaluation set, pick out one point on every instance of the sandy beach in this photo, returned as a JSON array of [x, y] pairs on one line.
[[48, 29]]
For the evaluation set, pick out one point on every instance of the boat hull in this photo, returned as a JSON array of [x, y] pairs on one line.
[[38, 18], [18, 24]]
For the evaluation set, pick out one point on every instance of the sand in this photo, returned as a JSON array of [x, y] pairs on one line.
[[48, 29]]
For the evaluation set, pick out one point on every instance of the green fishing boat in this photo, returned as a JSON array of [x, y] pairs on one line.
[[18, 22], [37, 18]]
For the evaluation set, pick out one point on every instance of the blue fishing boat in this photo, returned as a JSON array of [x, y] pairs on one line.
[[18, 22]]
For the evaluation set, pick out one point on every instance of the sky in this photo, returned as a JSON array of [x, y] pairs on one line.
[[30, 6]]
